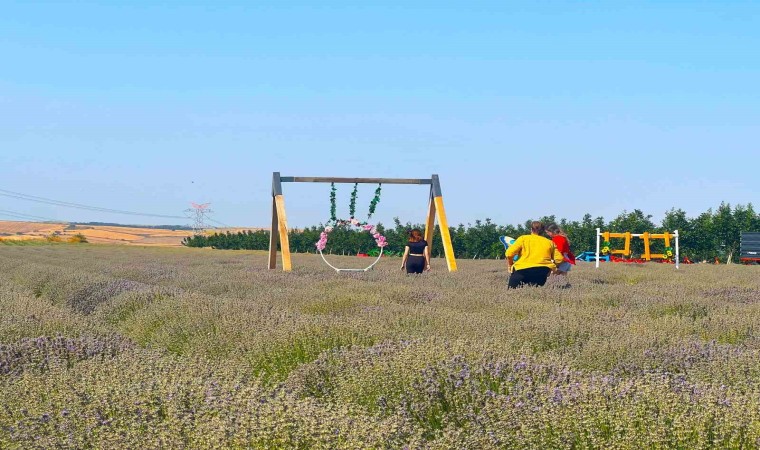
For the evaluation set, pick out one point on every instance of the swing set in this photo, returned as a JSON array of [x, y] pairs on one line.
[[279, 220]]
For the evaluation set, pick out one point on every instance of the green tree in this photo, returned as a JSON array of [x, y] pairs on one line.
[[746, 218], [726, 230], [702, 240], [675, 219], [635, 222], [582, 234]]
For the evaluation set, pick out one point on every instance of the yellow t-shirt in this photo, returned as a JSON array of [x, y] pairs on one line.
[[534, 251]]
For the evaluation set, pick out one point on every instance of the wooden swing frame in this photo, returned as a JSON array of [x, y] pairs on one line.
[[279, 231]]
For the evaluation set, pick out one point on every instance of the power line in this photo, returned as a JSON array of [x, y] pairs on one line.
[[33, 198], [16, 216], [5, 212], [216, 221]]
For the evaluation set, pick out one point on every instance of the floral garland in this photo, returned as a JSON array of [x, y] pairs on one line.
[[668, 252], [372, 229], [335, 222], [333, 208], [352, 204], [605, 247], [375, 201]]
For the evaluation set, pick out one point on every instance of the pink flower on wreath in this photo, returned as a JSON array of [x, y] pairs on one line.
[[379, 238], [322, 243]]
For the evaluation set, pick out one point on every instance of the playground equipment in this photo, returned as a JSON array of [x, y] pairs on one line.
[[626, 251], [591, 256], [279, 220]]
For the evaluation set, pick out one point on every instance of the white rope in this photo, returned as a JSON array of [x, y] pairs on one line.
[[352, 270]]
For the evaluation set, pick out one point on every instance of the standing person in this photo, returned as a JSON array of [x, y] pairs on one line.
[[563, 245], [416, 253], [538, 258]]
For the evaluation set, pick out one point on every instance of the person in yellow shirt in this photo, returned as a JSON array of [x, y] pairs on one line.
[[538, 258]]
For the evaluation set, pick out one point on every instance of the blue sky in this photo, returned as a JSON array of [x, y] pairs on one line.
[[524, 109]]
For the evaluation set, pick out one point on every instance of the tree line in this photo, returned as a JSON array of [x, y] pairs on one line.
[[714, 233]]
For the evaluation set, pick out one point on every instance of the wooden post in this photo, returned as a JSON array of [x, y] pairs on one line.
[[282, 227], [448, 249], [273, 237], [280, 222], [430, 220]]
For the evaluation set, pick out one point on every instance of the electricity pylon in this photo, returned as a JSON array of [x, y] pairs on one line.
[[198, 213]]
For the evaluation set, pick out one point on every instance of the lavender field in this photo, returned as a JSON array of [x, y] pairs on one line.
[[121, 347]]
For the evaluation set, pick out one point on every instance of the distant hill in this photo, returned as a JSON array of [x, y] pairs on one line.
[[105, 233], [158, 227]]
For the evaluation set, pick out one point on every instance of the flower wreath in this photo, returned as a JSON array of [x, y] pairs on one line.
[[668, 253], [605, 247], [335, 222], [379, 238]]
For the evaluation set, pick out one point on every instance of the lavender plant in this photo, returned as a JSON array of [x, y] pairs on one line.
[[114, 347]]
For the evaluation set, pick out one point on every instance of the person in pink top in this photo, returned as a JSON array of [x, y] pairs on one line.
[[563, 246]]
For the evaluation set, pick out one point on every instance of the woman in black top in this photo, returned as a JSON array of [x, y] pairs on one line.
[[416, 253]]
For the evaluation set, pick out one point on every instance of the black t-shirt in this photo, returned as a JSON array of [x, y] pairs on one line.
[[417, 248]]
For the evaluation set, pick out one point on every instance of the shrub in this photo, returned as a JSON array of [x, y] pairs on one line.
[[78, 238]]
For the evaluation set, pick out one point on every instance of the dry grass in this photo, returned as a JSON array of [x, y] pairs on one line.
[[29, 228], [101, 234], [115, 346], [22, 237]]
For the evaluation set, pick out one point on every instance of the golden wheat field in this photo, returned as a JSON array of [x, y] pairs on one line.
[[8, 228], [99, 234], [106, 346]]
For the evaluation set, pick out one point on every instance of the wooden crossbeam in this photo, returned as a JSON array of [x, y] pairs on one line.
[[356, 180]]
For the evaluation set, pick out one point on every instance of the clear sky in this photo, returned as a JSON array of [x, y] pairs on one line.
[[524, 109]]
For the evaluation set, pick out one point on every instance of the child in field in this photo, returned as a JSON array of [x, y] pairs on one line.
[[563, 245]]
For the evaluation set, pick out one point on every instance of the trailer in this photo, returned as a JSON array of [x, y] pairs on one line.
[[749, 248]]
